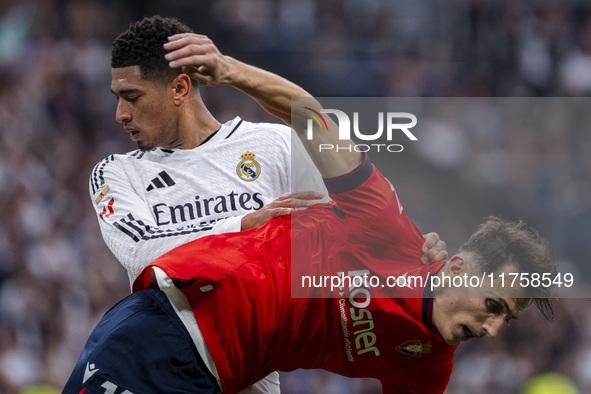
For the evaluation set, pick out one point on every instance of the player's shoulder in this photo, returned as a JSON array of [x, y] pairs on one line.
[[272, 135], [133, 156], [269, 129], [104, 165], [116, 164]]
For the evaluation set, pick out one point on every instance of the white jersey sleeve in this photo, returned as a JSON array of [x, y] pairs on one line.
[[148, 203], [130, 227]]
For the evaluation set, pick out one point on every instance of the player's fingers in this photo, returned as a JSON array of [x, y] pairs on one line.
[[191, 70], [431, 240], [442, 254], [436, 253], [301, 203], [276, 212], [187, 46], [195, 60], [186, 36], [190, 50], [281, 199], [199, 74], [297, 199], [182, 35], [280, 203], [307, 195], [427, 258], [441, 246]]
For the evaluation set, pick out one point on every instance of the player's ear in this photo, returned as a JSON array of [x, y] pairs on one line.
[[181, 87], [457, 265]]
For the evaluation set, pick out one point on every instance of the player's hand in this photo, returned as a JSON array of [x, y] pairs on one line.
[[433, 249], [283, 205], [199, 58]]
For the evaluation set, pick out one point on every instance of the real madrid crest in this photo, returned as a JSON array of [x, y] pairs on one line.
[[414, 348], [248, 169]]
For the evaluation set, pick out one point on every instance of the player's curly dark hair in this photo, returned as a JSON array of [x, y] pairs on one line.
[[141, 45], [498, 244]]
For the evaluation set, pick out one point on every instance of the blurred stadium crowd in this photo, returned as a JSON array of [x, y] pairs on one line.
[[57, 277]]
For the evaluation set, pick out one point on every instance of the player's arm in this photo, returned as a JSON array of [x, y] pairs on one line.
[[132, 232], [202, 61], [283, 205], [128, 224]]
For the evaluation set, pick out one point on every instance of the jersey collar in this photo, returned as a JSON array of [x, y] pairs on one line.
[[427, 309]]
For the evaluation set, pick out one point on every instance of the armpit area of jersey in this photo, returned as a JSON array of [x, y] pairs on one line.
[[352, 180]]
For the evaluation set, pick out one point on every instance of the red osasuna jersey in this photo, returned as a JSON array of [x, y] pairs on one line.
[[240, 287]]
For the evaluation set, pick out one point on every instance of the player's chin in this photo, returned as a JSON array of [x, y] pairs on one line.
[[460, 334], [453, 341], [451, 338], [144, 146]]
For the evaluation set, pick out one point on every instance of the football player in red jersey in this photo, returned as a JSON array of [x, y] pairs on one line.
[[217, 314]]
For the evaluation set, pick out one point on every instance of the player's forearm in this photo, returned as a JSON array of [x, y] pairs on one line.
[[332, 156], [274, 94], [271, 91]]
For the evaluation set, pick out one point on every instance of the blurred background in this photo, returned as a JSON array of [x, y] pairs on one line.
[[57, 277]]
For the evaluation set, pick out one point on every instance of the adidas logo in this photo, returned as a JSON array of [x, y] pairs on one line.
[[161, 181]]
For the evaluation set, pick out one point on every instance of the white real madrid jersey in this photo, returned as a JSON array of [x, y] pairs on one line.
[[149, 202]]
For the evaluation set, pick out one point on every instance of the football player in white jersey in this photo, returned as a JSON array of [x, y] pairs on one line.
[[193, 176]]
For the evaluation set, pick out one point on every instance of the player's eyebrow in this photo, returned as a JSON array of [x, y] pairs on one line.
[[508, 311], [124, 92]]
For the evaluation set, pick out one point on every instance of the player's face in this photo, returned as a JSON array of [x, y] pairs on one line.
[[460, 319], [468, 310], [145, 109]]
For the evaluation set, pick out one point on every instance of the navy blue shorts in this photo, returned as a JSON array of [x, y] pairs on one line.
[[140, 345]]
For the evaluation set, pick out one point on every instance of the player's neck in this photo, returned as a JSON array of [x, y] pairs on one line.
[[196, 126]]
